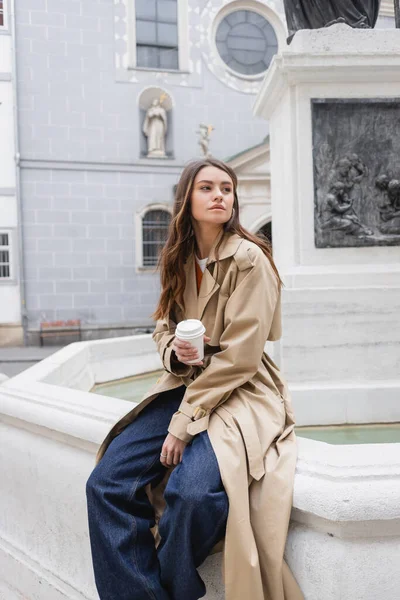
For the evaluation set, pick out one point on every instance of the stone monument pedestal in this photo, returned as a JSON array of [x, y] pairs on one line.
[[332, 99]]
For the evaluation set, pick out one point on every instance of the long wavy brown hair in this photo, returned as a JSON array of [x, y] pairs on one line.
[[181, 241]]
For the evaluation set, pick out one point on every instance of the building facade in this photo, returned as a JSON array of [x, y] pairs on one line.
[[112, 99], [10, 280]]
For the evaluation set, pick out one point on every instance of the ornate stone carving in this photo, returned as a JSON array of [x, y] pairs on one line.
[[356, 178], [314, 14]]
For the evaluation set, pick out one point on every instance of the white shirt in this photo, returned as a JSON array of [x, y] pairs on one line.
[[201, 262]]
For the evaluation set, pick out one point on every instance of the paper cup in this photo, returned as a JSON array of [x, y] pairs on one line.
[[192, 331]]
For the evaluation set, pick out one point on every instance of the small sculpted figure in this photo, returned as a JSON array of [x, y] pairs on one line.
[[388, 203], [337, 213], [205, 131]]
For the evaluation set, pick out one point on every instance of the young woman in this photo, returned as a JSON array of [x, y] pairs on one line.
[[209, 454]]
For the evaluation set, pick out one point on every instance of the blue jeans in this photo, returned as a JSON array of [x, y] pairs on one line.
[[126, 564]]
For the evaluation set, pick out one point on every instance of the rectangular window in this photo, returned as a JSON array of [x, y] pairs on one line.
[[5, 262], [157, 34], [1, 13]]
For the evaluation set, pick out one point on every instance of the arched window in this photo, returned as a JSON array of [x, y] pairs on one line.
[[154, 235], [266, 231]]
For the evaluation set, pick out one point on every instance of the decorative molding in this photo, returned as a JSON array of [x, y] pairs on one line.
[[7, 191], [248, 158], [253, 177], [144, 165], [292, 69], [260, 222], [150, 92], [183, 36], [387, 8], [322, 467]]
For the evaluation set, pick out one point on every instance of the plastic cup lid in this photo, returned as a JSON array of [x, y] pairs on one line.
[[190, 327]]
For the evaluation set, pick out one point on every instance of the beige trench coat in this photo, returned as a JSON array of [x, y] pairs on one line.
[[240, 397]]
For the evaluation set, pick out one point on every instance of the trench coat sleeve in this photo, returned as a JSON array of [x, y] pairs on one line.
[[248, 316], [163, 335]]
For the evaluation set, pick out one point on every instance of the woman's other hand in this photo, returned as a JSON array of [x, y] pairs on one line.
[[172, 450], [185, 351]]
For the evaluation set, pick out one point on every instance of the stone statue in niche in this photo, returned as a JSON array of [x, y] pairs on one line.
[[155, 128], [315, 14], [356, 144], [205, 131]]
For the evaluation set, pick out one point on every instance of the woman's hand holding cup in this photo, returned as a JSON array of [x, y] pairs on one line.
[[185, 351]]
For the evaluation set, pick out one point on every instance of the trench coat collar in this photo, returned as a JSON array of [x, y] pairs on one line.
[[195, 304]]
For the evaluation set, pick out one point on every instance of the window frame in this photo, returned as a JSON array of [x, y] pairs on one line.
[[216, 27], [11, 263], [249, 84], [251, 6], [139, 218], [183, 39], [4, 27]]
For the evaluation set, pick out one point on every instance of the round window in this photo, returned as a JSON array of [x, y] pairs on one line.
[[246, 42]]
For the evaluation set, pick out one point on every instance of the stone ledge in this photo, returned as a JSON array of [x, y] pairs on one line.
[[345, 522], [343, 39], [336, 54]]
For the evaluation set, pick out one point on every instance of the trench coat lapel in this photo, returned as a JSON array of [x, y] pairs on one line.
[[196, 303]]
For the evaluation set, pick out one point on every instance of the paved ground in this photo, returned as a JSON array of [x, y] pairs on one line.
[[15, 360]]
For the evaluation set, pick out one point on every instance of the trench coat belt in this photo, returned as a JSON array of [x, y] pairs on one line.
[[253, 447], [200, 418]]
